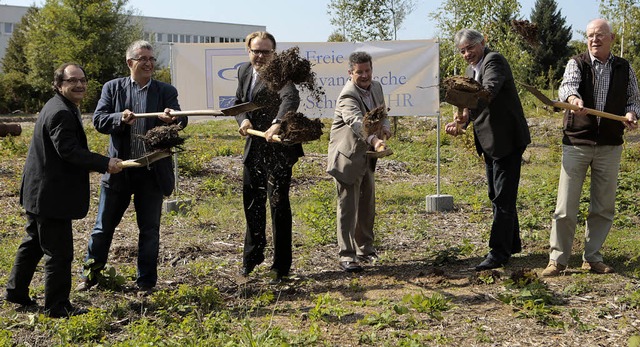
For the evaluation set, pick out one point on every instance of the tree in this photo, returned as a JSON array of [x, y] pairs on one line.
[[624, 18], [336, 37], [16, 93], [367, 20], [92, 33], [550, 56], [492, 18]]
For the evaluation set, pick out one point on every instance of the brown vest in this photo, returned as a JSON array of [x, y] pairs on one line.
[[586, 130]]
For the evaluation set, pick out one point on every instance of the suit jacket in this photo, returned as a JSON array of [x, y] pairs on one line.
[[347, 155], [107, 119], [500, 127], [55, 181], [276, 105]]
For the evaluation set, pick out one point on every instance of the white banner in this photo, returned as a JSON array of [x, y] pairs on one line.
[[206, 74]]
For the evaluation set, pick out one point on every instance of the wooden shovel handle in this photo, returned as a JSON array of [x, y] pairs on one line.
[[573, 107], [182, 113], [261, 134], [128, 163]]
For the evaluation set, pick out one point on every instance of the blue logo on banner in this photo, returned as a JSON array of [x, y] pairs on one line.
[[226, 101]]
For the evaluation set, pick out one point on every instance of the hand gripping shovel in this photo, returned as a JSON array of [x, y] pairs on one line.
[[545, 100], [383, 151], [145, 160], [230, 111]]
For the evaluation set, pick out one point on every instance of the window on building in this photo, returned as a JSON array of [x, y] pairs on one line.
[[187, 38], [159, 37], [8, 28], [145, 36]]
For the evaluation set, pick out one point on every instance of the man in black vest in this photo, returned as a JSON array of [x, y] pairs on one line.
[[599, 80]]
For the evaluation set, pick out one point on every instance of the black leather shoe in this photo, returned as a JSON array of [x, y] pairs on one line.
[[67, 311], [351, 266], [247, 269], [26, 301], [490, 263]]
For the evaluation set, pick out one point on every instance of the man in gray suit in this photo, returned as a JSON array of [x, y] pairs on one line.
[[349, 165], [55, 190], [501, 135]]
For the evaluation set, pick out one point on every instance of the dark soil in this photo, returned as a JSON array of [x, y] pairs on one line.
[[372, 121], [163, 137], [288, 66], [296, 128], [527, 30]]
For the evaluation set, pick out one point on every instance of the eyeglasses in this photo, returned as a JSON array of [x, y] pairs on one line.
[[261, 51], [145, 60], [467, 48], [74, 80], [596, 36]]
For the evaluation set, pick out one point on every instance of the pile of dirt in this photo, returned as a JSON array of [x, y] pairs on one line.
[[296, 128], [527, 30], [288, 66], [163, 137], [372, 121]]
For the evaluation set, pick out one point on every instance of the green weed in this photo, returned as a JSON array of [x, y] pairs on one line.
[[433, 305]]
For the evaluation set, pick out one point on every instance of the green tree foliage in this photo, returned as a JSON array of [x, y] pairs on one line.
[[336, 36], [551, 55], [624, 16], [492, 18], [368, 20], [93, 33], [15, 92]]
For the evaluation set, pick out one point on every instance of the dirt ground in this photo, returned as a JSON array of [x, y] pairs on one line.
[[594, 317]]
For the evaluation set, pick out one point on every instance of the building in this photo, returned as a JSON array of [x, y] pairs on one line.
[[163, 32]]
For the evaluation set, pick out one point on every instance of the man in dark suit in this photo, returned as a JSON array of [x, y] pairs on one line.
[[115, 115], [267, 164], [55, 190], [501, 135], [348, 163]]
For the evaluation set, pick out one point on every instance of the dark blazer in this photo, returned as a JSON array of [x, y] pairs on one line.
[[55, 181], [499, 127], [107, 119], [277, 104]]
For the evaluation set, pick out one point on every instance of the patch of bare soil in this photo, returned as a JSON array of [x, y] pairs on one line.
[[593, 317]]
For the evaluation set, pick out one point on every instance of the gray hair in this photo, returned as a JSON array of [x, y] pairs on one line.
[[469, 36], [138, 45], [359, 58]]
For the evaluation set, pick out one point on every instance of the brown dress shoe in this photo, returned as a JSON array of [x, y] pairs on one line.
[[553, 269], [598, 267]]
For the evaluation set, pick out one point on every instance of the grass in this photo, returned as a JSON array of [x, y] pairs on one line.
[[421, 292]]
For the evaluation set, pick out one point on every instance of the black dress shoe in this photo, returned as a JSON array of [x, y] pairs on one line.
[[490, 263], [351, 266], [247, 269], [26, 301], [370, 258], [67, 311]]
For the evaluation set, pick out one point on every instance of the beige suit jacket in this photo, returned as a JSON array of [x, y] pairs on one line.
[[347, 155]]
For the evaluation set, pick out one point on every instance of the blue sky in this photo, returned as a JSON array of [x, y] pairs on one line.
[[286, 19]]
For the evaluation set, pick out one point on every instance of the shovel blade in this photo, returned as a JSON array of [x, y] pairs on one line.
[[240, 108], [538, 94]]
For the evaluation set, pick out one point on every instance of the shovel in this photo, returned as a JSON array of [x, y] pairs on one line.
[[145, 160], [230, 111], [383, 152], [545, 100], [261, 134]]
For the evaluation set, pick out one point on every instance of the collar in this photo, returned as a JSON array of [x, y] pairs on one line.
[[133, 82], [594, 59]]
